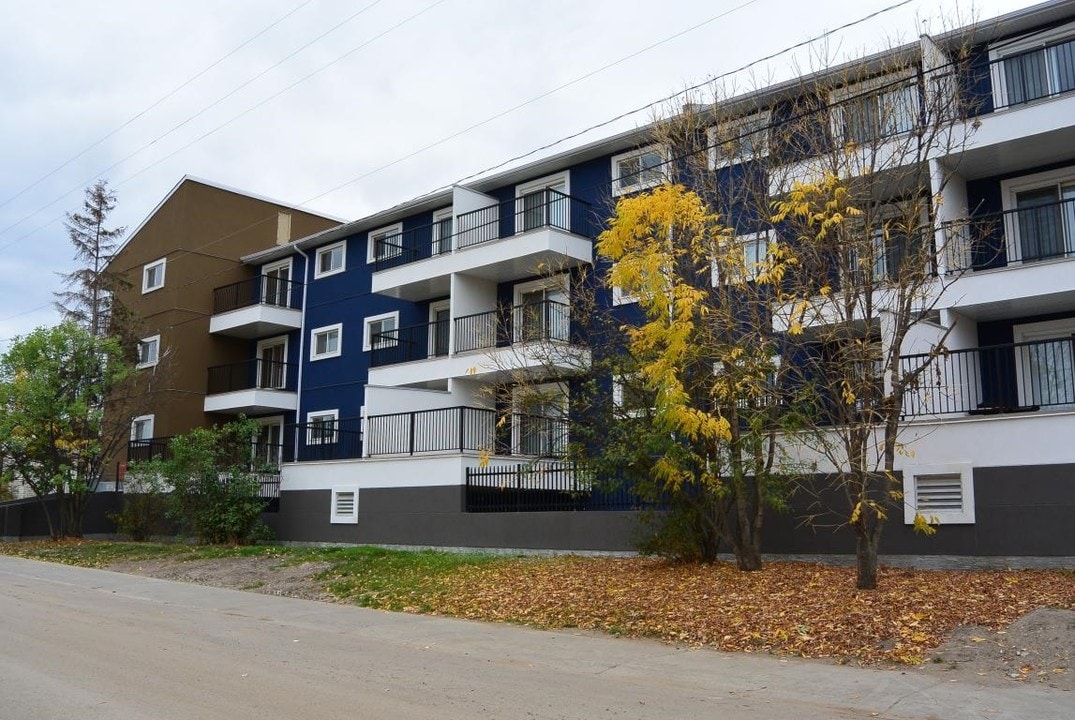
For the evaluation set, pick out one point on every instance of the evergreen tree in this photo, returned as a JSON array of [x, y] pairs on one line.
[[87, 298]]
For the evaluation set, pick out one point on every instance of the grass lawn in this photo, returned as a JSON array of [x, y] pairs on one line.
[[788, 608]]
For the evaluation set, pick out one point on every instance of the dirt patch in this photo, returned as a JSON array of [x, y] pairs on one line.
[[265, 575], [1038, 647]]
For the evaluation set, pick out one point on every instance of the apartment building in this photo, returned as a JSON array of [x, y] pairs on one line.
[[187, 246], [380, 353]]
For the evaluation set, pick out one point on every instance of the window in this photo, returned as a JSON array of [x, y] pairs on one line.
[[385, 243], [276, 284], [1040, 66], [543, 203], [322, 427], [325, 342], [1045, 363], [876, 109], [542, 311], [540, 421], [272, 364], [755, 252], [622, 297], [142, 428], [941, 494], [153, 275], [344, 505], [630, 396], [440, 322], [442, 231], [331, 259], [1043, 206], [148, 351], [638, 170], [739, 140], [381, 331]]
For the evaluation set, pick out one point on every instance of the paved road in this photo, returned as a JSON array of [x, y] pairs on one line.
[[90, 644]]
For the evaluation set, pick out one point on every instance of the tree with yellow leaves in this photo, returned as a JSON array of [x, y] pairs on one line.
[[706, 356]]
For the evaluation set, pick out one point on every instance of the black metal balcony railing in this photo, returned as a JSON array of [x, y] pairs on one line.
[[251, 375], [439, 430], [148, 449], [1015, 377], [336, 440], [259, 290], [1042, 72], [533, 322], [1022, 235], [540, 209], [417, 342]]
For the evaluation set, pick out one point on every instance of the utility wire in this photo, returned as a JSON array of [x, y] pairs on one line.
[[160, 100], [199, 113]]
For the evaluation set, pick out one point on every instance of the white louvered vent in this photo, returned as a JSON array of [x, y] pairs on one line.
[[939, 493], [344, 505]]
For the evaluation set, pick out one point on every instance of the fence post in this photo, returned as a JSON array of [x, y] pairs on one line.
[[462, 435], [410, 448]]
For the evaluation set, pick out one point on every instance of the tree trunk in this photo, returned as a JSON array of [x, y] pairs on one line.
[[866, 544]]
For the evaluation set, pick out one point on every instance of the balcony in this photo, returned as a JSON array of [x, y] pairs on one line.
[[261, 306], [479, 346], [251, 387], [1012, 262], [504, 241], [998, 379], [435, 431]]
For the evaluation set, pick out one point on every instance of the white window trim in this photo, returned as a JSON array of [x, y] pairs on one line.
[[434, 308], [618, 382], [163, 264], [516, 409], [545, 182], [349, 519], [334, 414], [750, 270], [950, 517], [272, 267], [367, 343], [1011, 187], [314, 355], [151, 418], [270, 342], [438, 217], [275, 420], [640, 185], [1031, 332], [622, 297], [841, 95], [393, 229], [1032, 41], [156, 356], [318, 274], [762, 120]]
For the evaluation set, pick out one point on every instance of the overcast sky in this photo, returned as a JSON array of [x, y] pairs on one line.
[[308, 101]]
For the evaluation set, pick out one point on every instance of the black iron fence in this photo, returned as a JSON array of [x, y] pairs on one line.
[[532, 322], [251, 375], [440, 430], [259, 290], [148, 449], [1015, 377], [544, 487], [1040, 230]]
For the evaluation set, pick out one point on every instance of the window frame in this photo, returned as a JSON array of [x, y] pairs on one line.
[[964, 516], [320, 415], [156, 341], [558, 443], [749, 270], [162, 263], [761, 120], [151, 419], [335, 518], [640, 185], [1035, 40], [1009, 194], [387, 230], [367, 336], [342, 247], [873, 89], [314, 355], [436, 241]]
